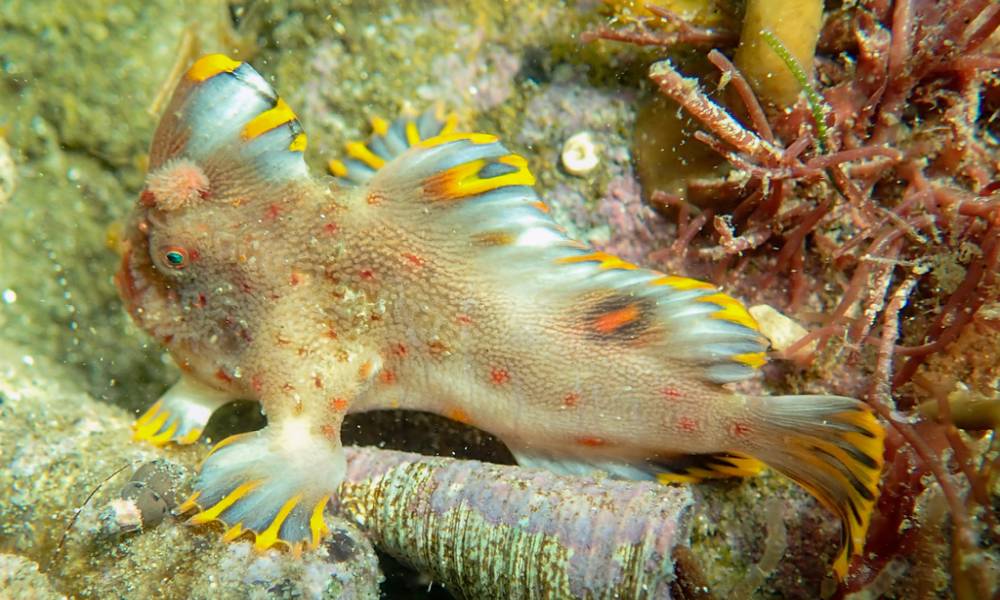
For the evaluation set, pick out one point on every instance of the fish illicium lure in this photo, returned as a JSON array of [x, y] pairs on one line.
[[427, 275]]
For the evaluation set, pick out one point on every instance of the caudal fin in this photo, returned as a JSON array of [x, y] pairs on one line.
[[830, 445]]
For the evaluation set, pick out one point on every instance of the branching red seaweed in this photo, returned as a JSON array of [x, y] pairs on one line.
[[893, 214]]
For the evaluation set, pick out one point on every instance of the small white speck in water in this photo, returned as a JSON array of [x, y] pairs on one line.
[[9, 296], [28, 360]]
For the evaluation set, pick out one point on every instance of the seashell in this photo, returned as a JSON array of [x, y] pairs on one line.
[[494, 531]]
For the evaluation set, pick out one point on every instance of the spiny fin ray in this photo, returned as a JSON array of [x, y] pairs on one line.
[[387, 141]]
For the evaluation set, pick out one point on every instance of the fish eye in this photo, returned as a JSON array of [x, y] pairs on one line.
[[175, 257]]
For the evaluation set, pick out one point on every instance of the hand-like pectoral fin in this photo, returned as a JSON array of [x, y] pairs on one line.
[[274, 483]]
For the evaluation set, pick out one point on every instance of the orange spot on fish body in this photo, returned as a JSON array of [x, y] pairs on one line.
[[616, 319], [272, 212], [570, 400], [330, 229], [329, 432], [398, 350], [365, 370], [374, 199], [464, 319], [437, 347], [338, 404], [499, 376], [223, 376], [457, 414], [367, 274], [593, 442], [669, 392], [387, 377], [147, 198]]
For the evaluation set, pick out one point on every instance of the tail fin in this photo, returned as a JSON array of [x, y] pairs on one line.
[[830, 445]]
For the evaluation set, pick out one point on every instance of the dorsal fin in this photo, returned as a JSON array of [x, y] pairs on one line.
[[472, 185], [225, 117], [387, 141]]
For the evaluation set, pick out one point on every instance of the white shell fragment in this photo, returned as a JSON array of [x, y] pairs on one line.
[[579, 154], [781, 330]]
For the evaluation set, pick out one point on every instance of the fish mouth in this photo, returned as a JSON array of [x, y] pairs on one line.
[[125, 279], [137, 286]]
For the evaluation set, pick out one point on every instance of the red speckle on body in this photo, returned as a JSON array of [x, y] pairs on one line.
[[338, 404], [194, 255], [202, 300], [318, 382], [147, 198], [295, 278], [223, 376], [331, 333], [669, 392], [499, 376], [272, 212], [329, 229], [687, 424], [414, 260], [367, 274], [464, 319], [256, 384], [398, 350], [592, 442], [571, 400], [740, 429], [288, 387], [387, 377]]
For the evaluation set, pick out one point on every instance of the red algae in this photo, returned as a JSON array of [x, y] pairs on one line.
[[874, 216]]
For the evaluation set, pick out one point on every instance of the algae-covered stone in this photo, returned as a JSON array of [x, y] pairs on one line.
[[65, 457], [20, 579]]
